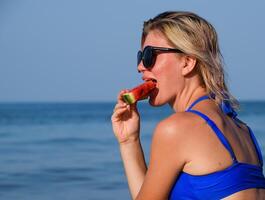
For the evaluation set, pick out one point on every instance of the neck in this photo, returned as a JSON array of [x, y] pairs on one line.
[[186, 97]]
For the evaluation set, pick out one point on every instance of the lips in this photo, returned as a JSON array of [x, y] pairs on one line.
[[149, 79], [154, 80]]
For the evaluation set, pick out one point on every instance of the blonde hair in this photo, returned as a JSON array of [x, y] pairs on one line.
[[194, 36]]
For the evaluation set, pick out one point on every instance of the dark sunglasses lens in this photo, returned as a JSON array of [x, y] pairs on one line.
[[148, 57], [139, 57]]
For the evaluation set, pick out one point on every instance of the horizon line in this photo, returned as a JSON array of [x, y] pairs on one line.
[[91, 101]]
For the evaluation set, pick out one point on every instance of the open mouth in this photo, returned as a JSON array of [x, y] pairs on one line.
[[153, 80]]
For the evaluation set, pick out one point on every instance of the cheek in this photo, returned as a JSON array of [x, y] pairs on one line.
[[167, 71], [169, 80], [168, 74]]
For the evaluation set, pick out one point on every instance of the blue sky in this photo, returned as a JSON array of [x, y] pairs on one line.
[[83, 50]]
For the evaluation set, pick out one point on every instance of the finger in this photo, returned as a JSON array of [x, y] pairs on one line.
[[120, 98], [116, 115], [119, 105], [133, 107]]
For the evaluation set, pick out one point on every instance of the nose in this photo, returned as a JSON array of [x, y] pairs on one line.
[[141, 67]]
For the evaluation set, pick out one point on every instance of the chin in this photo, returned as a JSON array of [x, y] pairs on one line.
[[155, 103], [153, 99]]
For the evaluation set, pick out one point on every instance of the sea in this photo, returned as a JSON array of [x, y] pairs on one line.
[[68, 151]]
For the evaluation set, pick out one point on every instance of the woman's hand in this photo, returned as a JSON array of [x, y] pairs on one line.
[[125, 121]]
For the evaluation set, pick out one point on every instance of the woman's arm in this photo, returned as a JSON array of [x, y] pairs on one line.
[[134, 165], [168, 157], [126, 127]]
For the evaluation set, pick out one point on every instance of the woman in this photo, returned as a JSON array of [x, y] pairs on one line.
[[202, 151]]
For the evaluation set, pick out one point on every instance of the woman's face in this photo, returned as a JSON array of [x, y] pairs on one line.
[[166, 71]]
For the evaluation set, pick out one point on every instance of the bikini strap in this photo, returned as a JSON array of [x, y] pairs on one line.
[[228, 109], [217, 131], [256, 144], [197, 101]]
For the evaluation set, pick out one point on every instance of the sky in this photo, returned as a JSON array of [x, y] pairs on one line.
[[85, 50]]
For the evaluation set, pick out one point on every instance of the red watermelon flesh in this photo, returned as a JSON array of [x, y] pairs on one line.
[[140, 92]]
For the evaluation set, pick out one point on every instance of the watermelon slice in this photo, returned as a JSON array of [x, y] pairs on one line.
[[139, 93]]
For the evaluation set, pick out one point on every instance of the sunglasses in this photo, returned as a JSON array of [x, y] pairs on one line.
[[148, 55]]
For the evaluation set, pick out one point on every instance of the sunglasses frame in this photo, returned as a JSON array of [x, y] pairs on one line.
[[149, 59]]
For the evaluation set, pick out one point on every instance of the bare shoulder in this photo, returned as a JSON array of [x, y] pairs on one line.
[[167, 156], [177, 125], [176, 132]]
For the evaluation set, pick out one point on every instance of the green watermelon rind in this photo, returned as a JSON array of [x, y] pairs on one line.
[[128, 98]]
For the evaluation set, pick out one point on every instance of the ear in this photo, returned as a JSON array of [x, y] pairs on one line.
[[190, 63]]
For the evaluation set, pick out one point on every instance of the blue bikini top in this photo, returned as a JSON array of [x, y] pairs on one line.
[[217, 185]]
